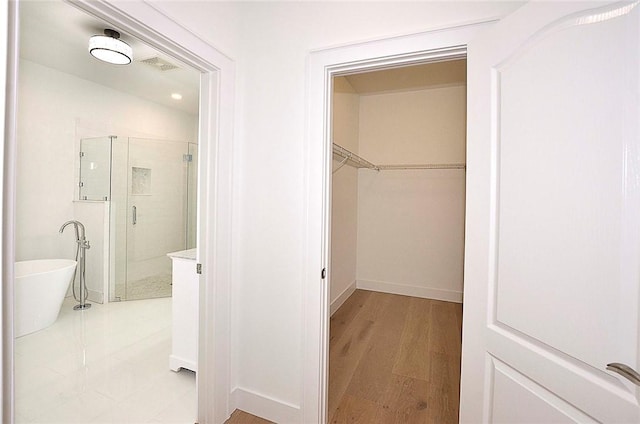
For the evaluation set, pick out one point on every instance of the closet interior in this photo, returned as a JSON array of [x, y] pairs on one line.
[[397, 243]]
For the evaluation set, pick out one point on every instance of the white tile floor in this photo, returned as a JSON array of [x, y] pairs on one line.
[[107, 364]]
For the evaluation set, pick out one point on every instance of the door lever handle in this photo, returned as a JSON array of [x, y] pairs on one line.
[[625, 371], [134, 215]]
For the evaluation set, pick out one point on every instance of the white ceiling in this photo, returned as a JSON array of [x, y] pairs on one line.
[[56, 34], [416, 77]]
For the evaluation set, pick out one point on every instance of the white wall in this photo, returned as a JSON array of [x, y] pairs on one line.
[[413, 127], [270, 42], [399, 231], [344, 208], [55, 110], [411, 222]]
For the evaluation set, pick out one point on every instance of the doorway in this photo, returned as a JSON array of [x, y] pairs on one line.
[[97, 356], [397, 243], [434, 46], [216, 87]]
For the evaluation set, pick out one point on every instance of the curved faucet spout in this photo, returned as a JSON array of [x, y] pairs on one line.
[[77, 225]]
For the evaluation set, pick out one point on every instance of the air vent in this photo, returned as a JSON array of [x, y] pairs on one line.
[[159, 63]]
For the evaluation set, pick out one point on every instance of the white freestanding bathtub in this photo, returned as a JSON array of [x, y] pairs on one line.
[[40, 287]]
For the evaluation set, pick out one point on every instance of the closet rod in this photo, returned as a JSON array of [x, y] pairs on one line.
[[423, 166], [353, 158]]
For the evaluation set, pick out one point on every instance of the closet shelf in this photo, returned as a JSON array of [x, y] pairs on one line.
[[350, 158]]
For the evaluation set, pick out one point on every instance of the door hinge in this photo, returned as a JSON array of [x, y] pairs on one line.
[[187, 157], [198, 268], [81, 154], [323, 274]]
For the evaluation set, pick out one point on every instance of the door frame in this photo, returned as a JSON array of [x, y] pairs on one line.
[[217, 86], [432, 46]]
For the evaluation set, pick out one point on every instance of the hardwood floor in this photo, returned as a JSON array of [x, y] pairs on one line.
[[392, 359], [241, 417]]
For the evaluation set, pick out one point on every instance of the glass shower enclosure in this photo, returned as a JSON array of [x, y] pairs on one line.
[[152, 196]]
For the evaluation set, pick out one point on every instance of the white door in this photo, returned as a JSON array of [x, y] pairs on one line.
[[552, 271]]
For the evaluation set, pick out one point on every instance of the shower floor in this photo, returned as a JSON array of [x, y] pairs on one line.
[[146, 288]]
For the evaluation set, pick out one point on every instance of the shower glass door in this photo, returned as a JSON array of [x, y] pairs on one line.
[[157, 215]]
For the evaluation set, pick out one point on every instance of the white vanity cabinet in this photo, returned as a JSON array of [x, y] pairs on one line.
[[184, 305]]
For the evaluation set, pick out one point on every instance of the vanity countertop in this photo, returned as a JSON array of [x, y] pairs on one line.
[[183, 254]]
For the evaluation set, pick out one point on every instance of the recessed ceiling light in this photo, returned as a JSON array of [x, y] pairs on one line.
[[109, 48], [176, 96]]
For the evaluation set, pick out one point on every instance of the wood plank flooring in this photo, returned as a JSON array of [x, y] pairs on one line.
[[392, 359], [241, 417]]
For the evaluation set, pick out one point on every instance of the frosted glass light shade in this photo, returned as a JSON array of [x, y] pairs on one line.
[[110, 49]]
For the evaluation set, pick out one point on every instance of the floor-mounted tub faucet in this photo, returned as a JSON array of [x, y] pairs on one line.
[[82, 245]]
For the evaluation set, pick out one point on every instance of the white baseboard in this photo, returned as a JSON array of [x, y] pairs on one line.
[[424, 292], [336, 304], [265, 407], [176, 362]]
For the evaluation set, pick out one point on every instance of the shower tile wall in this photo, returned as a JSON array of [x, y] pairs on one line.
[[161, 222]]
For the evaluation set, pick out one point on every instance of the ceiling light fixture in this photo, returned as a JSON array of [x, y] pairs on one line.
[[109, 48], [176, 96]]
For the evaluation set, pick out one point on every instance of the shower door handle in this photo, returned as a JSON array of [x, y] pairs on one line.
[[134, 215]]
